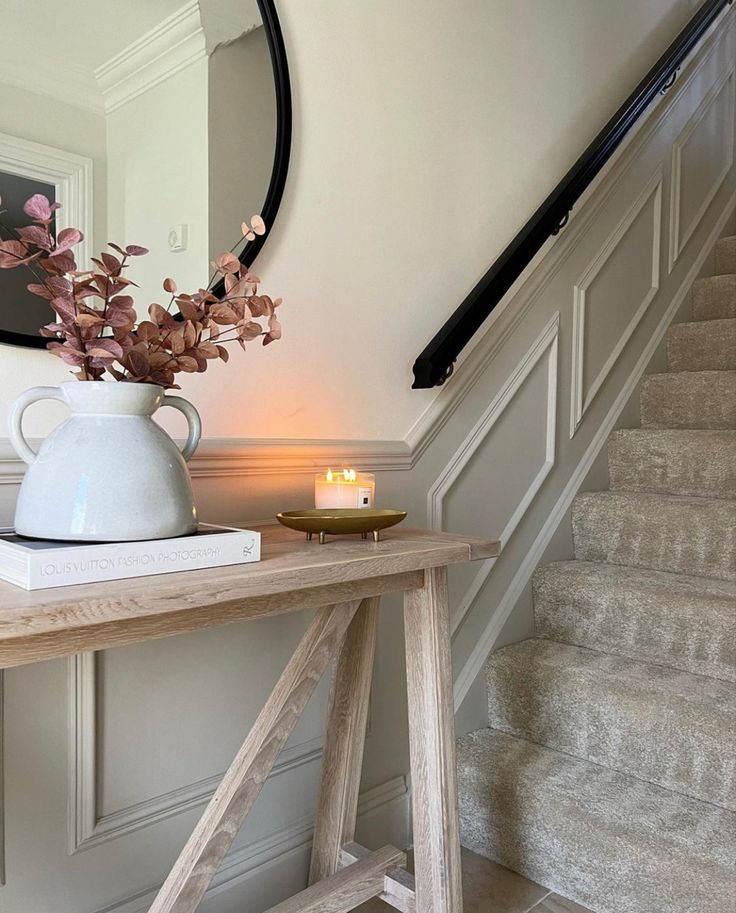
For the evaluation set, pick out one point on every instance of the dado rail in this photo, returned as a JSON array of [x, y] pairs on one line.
[[343, 580]]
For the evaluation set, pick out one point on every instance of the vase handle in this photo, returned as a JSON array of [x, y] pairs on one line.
[[193, 419], [15, 419]]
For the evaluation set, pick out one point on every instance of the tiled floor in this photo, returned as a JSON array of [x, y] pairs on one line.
[[490, 888]]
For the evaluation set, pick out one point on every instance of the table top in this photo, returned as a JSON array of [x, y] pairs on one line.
[[292, 574]]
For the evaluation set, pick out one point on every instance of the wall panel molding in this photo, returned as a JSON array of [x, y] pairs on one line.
[[87, 828], [288, 846], [680, 235], [473, 665], [580, 397], [545, 344]]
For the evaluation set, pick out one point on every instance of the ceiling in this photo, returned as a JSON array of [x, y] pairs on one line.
[[55, 48], [87, 31]]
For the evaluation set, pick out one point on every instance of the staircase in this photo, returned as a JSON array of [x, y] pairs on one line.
[[608, 771]]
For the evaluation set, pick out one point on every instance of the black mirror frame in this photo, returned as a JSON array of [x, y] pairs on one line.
[[282, 82], [280, 169]]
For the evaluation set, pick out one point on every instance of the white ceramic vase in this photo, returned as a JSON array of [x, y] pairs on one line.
[[108, 473]]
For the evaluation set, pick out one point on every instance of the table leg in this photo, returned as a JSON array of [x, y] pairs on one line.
[[432, 746], [234, 797], [343, 756]]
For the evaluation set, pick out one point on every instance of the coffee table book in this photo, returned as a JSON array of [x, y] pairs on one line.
[[36, 564]]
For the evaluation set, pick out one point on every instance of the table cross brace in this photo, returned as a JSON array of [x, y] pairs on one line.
[[211, 839]]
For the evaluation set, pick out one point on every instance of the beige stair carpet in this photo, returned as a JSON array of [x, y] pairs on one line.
[[689, 399], [700, 464], [608, 771], [671, 728], [610, 841], [704, 345], [678, 621], [714, 298]]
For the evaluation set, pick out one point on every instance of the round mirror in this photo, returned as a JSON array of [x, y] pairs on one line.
[[161, 124]]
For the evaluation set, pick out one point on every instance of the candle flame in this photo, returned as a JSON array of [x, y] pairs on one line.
[[341, 475]]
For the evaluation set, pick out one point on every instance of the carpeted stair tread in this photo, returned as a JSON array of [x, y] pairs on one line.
[[611, 842], [697, 463], [694, 536], [705, 345], [669, 727], [687, 623], [725, 255], [689, 399], [714, 297]]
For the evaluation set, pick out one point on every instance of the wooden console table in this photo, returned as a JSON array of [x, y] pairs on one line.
[[343, 580]]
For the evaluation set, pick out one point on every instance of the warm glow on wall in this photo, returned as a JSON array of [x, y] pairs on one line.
[[344, 488]]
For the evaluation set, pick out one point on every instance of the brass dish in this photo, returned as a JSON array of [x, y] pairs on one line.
[[340, 521]]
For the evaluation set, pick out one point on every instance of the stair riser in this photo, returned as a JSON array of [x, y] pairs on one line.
[[698, 464], [714, 298], [684, 536], [617, 721], [725, 256], [684, 400], [694, 632], [574, 828], [706, 346]]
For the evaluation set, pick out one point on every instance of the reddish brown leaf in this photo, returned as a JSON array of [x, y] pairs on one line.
[[38, 208], [66, 239], [227, 263], [258, 225], [148, 331], [89, 320], [187, 363], [36, 288], [124, 302], [12, 254]]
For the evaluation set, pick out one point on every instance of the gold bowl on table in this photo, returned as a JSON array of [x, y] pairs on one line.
[[341, 521]]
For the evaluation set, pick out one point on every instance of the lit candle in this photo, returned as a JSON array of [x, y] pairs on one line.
[[344, 488]]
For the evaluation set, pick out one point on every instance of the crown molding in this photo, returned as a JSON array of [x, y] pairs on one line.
[[167, 48]]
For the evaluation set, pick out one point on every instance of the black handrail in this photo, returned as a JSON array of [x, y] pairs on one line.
[[435, 364]]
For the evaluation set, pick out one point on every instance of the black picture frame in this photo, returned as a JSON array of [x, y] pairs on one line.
[[279, 172]]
